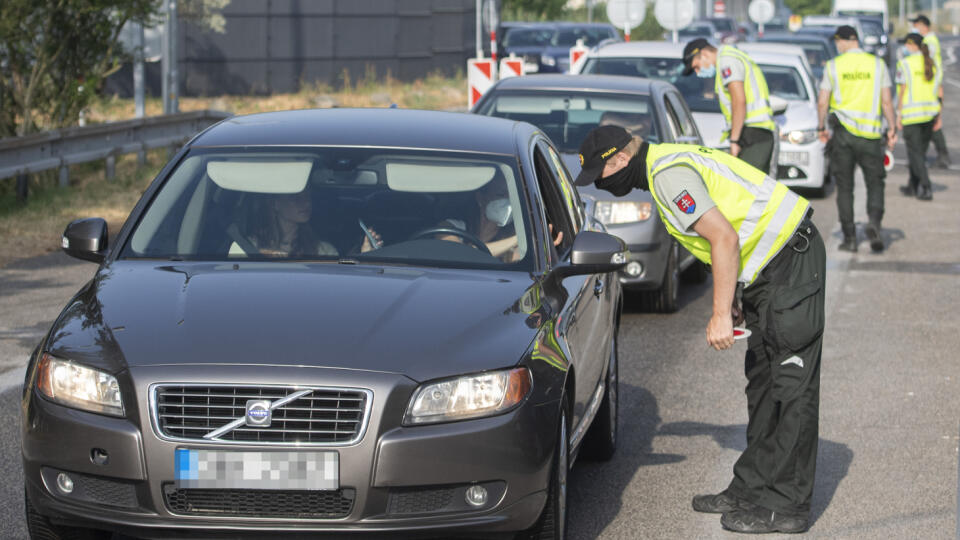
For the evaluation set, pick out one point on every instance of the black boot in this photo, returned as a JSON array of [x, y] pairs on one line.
[[924, 193], [849, 238], [873, 234]]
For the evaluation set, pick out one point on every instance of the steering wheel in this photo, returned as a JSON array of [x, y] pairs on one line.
[[464, 235]]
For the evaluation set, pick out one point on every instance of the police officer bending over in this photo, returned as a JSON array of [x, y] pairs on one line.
[[743, 95], [754, 230], [855, 86]]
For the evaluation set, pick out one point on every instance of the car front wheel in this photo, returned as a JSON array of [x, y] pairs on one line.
[[552, 524]]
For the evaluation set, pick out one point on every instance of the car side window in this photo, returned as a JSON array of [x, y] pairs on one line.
[[680, 115], [571, 199], [672, 118], [553, 201]]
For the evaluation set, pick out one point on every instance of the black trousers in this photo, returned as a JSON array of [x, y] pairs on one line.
[[846, 152], [917, 137], [757, 147], [784, 310]]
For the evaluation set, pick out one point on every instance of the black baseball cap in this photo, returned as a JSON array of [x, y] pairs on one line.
[[845, 32], [914, 37], [600, 144], [922, 19], [692, 49]]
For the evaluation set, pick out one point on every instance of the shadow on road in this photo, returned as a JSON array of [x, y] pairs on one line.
[[833, 458], [596, 489]]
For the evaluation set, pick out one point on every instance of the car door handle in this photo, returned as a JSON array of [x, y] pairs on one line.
[[598, 288]]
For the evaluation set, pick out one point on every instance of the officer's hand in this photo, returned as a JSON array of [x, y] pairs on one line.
[[891, 138], [938, 123], [824, 136], [734, 149], [720, 332]]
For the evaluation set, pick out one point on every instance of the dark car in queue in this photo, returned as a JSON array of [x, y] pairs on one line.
[[566, 108], [545, 46], [818, 48], [429, 351]]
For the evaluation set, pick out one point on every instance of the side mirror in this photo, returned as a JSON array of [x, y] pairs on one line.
[[595, 253], [778, 104], [86, 239]]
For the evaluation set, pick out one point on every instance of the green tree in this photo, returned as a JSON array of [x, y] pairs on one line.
[[54, 54], [809, 7], [532, 10]]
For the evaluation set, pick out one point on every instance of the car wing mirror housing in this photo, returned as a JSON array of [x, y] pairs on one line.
[[778, 104], [86, 239], [595, 253]]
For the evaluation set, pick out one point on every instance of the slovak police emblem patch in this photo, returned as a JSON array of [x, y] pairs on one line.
[[727, 72], [685, 203]]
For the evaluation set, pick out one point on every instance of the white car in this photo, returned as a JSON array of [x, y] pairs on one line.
[[801, 162], [659, 60]]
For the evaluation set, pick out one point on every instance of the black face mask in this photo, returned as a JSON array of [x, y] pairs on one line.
[[634, 175]]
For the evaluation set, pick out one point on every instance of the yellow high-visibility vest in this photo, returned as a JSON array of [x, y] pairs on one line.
[[920, 102], [759, 114], [857, 77], [764, 212]]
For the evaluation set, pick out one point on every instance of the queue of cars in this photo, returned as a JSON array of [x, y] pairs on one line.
[[312, 320]]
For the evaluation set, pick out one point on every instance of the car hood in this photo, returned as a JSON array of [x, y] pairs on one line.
[[422, 323], [799, 115]]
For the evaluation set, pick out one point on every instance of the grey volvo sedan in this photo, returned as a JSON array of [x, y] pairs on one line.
[[331, 322]]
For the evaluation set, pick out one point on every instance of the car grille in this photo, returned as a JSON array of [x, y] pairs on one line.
[[260, 503], [322, 416]]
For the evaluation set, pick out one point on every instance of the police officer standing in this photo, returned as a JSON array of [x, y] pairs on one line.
[[855, 87], [744, 99], [918, 111], [921, 25], [753, 230]]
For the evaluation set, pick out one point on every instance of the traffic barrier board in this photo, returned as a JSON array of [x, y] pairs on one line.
[[577, 53], [511, 67], [481, 75]]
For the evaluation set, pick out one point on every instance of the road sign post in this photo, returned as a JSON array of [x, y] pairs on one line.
[[626, 14], [674, 14]]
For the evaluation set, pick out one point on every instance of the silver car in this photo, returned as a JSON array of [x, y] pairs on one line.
[[566, 108]]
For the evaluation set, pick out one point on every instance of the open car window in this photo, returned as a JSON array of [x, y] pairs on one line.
[[412, 207]]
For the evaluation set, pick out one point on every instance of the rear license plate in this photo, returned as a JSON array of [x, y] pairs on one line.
[[235, 469]]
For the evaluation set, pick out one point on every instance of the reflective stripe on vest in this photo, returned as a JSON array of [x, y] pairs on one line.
[[920, 102], [758, 114], [857, 78], [764, 212]]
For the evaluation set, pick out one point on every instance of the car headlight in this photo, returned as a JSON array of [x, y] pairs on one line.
[[471, 396], [80, 387], [548, 60], [615, 212], [800, 136]]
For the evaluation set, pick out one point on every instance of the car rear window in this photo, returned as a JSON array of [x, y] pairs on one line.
[[698, 93], [567, 117], [784, 82], [410, 207]]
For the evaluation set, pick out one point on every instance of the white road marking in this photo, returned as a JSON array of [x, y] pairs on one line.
[[951, 81]]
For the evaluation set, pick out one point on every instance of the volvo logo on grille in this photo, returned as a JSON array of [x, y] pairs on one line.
[[258, 413]]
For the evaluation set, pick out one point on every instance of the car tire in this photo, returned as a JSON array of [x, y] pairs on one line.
[[667, 298], [552, 524], [601, 441], [40, 528], [697, 272]]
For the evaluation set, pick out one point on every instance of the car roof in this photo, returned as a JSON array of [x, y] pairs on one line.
[[367, 127], [826, 20], [773, 48], [553, 24], [777, 59], [640, 49], [585, 83], [806, 37]]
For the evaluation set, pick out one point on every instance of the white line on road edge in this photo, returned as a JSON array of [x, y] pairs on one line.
[[951, 81]]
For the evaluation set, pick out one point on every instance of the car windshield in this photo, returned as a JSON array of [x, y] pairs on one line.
[[529, 37], [784, 82], [699, 93], [872, 28], [567, 37], [567, 117], [339, 204], [816, 52], [724, 25]]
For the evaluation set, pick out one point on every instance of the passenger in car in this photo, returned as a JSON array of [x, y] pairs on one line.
[[281, 227]]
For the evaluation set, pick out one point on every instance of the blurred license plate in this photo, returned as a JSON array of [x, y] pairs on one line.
[[794, 158], [235, 469]]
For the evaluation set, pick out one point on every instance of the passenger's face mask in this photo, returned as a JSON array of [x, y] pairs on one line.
[[499, 211], [707, 72]]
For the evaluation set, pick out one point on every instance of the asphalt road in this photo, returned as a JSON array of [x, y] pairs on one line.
[[890, 400]]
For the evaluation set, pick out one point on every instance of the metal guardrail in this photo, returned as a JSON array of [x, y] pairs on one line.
[[58, 149]]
